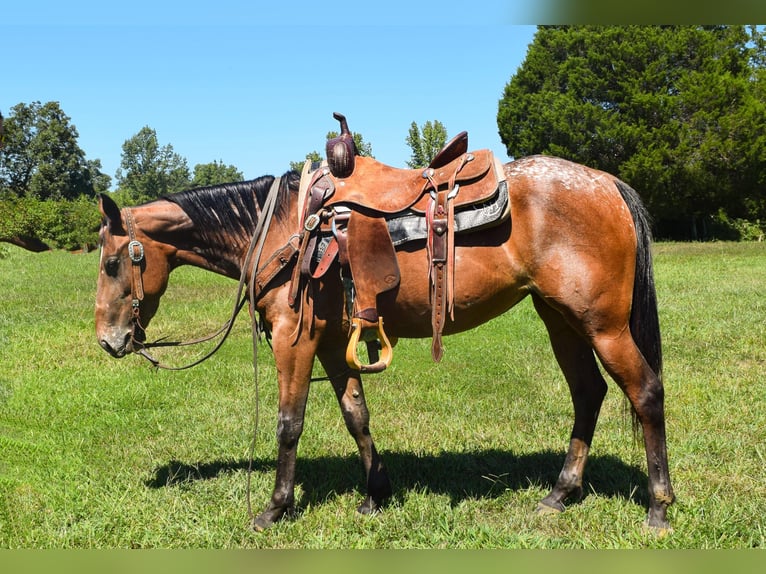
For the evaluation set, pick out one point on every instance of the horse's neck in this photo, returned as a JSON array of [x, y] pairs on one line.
[[167, 223]]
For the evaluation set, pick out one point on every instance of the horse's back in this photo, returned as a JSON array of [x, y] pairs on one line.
[[555, 201]]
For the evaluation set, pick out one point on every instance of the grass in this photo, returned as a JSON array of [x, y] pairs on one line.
[[99, 453]]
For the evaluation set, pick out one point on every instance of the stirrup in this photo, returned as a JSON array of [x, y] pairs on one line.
[[386, 351]]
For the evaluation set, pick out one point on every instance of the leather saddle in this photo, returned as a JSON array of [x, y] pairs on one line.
[[352, 198], [378, 188]]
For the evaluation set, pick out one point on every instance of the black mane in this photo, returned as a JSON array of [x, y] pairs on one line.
[[230, 209]]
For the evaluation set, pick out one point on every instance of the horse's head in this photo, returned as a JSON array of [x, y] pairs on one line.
[[133, 275]]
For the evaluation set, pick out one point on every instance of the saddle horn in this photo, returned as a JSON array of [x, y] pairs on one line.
[[341, 150]]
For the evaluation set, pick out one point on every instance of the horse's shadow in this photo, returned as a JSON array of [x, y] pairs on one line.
[[483, 474]]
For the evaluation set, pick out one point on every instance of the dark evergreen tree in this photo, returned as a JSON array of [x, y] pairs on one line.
[[676, 111]]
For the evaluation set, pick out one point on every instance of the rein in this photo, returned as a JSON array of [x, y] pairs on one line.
[[260, 278]]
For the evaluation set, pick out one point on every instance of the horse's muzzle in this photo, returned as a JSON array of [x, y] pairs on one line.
[[116, 350], [120, 344]]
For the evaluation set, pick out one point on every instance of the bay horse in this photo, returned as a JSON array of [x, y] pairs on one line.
[[577, 242]]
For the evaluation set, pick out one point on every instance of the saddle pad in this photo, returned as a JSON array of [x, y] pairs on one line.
[[411, 225]]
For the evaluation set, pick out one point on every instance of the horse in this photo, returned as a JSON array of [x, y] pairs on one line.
[[578, 242]]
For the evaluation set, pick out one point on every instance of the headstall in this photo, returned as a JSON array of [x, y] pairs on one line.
[[137, 260], [260, 278]]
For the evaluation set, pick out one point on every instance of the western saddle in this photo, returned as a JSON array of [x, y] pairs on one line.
[[348, 207]]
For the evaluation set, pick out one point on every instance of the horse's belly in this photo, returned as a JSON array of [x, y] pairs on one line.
[[486, 285]]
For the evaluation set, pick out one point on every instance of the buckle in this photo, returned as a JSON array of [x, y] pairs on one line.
[[136, 257], [312, 222]]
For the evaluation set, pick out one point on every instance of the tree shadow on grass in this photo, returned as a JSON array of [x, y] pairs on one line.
[[484, 474]]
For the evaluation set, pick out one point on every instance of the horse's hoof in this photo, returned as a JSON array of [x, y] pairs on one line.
[[266, 519], [259, 523], [549, 508], [660, 529], [368, 507]]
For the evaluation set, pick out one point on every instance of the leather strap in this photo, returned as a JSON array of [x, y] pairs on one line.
[[440, 218], [438, 311], [136, 255], [320, 188], [329, 255]]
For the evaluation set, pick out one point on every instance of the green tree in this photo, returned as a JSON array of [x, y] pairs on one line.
[[215, 173], [425, 142], [41, 157], [148, 171], [677, 111], [314, 157]]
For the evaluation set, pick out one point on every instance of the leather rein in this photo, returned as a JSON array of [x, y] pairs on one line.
[[260, 278]]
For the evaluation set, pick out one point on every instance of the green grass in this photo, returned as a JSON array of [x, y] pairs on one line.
[[99, 453]]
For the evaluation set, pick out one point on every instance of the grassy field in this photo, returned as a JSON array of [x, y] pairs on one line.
[[99, 453]]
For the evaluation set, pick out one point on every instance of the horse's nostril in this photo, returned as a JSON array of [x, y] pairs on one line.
[[111, 350]]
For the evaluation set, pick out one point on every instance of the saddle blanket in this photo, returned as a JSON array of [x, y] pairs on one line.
[[410, 226]]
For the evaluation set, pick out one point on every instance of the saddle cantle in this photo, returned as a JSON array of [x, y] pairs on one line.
[[453, 149], [358, 202]]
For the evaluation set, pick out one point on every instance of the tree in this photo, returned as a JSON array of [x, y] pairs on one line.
[[41, 157], [148, 171], [425, 142], [215, 173], [313, 157], [673, 110], [362, 147]]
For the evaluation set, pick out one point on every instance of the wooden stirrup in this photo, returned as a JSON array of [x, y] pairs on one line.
[[352, 355]]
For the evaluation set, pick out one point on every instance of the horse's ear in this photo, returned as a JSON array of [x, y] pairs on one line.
[[110, 211]]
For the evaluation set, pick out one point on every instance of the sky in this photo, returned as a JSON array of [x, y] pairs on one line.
[[256, 88]]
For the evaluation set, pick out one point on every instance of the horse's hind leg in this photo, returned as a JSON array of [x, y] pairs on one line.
[[588, 388], [348, 389], [625, 363]]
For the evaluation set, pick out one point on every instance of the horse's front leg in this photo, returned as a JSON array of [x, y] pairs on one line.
[[347, 384], [293, 365]]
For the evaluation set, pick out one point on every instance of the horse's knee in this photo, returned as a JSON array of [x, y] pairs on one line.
[[354, 410], [289, 429], [651, 398]]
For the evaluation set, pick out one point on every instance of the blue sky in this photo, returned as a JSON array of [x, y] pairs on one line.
[[254, 88]]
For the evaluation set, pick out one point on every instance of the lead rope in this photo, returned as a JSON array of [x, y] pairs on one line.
[[266, 216], [253, 257]]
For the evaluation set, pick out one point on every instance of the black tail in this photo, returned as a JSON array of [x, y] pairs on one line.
[[644, 318]]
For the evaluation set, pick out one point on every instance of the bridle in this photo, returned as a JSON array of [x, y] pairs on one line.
[[136, 256], [260, 278]]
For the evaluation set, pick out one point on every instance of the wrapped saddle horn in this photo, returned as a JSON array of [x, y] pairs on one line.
[[341, 150]]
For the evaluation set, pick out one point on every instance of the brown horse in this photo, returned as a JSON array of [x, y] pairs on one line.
[[577, 242]]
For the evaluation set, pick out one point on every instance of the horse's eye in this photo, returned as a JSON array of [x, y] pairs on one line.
[[111, 266]]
